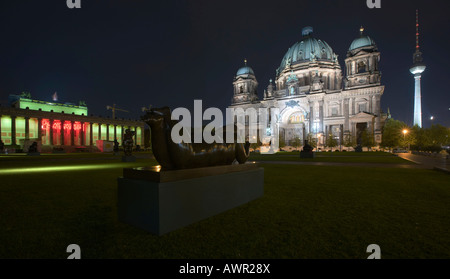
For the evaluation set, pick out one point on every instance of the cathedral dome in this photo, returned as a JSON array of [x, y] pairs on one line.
[[246, 70], [362, 41], [307, 49]]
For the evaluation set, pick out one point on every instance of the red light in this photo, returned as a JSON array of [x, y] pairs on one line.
[[45, 124], [56, 125], [67, 126], [77, 126]]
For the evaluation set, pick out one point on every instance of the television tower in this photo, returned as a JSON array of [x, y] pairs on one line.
[[417, 69]]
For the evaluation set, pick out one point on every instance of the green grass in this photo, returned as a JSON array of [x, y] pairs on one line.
[[306, 212]]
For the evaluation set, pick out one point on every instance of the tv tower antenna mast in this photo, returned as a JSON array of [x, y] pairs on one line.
[[417, 69]]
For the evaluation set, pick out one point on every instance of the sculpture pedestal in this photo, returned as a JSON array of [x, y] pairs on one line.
[[163, 201], [306, 154]]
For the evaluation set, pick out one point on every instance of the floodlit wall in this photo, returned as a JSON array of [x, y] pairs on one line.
[[103, 132], [20, 129], [33, 129], [111, 133], [6, 129]]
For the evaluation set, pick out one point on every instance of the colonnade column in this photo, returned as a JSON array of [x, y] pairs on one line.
[[321, 116], [39, 129], [72, 133], [13, 130], [51, 131], [27, 127], [90, 134]]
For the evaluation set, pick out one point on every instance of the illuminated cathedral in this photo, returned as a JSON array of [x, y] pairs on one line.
[[315, 96]]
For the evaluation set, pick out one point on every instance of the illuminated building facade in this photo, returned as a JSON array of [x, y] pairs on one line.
[[315, 97], [54, 124]]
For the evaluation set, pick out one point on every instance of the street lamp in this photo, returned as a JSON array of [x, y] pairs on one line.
[[404, 134]]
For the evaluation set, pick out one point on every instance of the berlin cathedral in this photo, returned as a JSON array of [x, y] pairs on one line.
[[315, 98]]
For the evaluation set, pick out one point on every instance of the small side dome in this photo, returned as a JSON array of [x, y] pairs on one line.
[[362, 42], [246, 70]]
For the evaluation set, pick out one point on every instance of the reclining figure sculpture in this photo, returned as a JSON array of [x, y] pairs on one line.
[[173, 156]]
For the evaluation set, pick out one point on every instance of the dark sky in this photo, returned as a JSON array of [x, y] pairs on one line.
[[140, 52]]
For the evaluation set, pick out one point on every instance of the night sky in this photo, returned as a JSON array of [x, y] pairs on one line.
[[140, 52]]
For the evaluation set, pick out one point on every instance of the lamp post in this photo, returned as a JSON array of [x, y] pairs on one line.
[[404, 135]]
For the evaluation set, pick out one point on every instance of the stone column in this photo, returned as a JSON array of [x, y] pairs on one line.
[[135, 135], [91, 136], [353, 106], [72, 134], [311, 117], [346, 115], [99, 131], [51, 131], [321, 116], [107, 132], [0, 127], [39, 131], [121, 136], [62, 132], [115, 131], [27, 127], [13, 130], [377, 113], [83, 134]]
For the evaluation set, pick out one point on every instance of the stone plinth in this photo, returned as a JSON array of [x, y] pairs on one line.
[[163, 201]]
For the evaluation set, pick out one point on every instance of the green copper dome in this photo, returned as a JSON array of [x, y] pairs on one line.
[[308, 49], [246, 70], [362, 41]]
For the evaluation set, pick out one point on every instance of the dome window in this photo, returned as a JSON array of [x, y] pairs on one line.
[[361, 67]]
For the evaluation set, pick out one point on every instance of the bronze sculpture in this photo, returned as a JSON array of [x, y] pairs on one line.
[[128, 142], [173, 156]]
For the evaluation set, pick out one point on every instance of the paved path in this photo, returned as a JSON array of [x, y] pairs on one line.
[[427, 162], [371, 165], [421, 162]]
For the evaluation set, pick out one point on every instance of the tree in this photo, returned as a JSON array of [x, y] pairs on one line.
[[367, 140], [282, 142], [311, 140], [392, 133], [331, 141], [431, 139], [349, 140], [296, 143]]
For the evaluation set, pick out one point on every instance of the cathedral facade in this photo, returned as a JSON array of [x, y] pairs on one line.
[[315, 97]]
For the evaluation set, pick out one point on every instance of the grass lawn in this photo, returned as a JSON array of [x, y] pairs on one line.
[[306, 212]]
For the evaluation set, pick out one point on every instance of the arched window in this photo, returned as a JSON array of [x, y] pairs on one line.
[[324, 54], [361, 67], [296, 118]]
